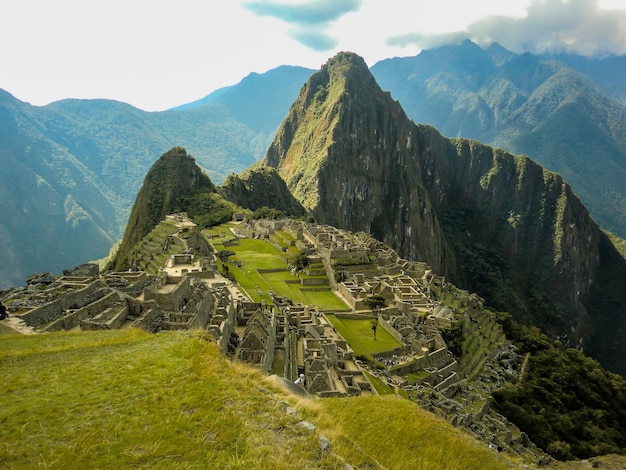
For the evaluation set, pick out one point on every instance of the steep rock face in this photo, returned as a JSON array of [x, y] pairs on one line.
[[260, 187], [494, 223], [343, 151], [171, 178]]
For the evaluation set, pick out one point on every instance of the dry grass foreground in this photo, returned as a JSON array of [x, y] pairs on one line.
[[128, 399]]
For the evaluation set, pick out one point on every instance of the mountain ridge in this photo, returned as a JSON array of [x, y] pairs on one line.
[[526, 104]]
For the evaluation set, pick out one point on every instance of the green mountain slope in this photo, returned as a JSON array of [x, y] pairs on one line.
[[51, 201], [75, 166], [260, 187], [525, 104], [493, 223], [174, 184]]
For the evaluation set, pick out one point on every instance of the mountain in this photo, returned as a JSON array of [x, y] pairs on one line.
[[259, 101], [51, 201], [608, 72], [173, 184], [258, 188], [537, 106], [73, 168], [493, 223]]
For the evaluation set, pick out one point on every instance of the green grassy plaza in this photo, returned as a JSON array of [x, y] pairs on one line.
[[256, 254], [360, 337]]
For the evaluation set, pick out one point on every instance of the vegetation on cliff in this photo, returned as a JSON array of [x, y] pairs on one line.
[[565, 401], [259, 187]]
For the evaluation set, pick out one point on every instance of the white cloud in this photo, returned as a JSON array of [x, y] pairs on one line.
[[159, 54]]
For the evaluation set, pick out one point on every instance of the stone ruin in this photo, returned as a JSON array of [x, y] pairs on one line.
[[290, 339]]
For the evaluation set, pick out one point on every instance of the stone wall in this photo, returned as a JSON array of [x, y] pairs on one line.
[[150, 315], [172, 299], [390, 329], [69, 301], [73, 319]]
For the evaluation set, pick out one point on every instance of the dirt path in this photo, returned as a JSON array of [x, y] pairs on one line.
[[18, 325]]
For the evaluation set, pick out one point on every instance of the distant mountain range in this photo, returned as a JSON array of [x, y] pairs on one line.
[[72, 169], [537, 106], [75, 166]]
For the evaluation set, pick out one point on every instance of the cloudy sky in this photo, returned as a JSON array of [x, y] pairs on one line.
[[157, 54]]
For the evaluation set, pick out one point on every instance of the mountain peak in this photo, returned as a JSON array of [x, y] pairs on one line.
[[346, 61], [173, 176], [340, 93]]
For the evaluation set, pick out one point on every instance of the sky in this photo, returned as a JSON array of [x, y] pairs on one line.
[[157, 54]]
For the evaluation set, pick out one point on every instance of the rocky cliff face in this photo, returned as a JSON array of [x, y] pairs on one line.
[[493, 223], [343, 152]]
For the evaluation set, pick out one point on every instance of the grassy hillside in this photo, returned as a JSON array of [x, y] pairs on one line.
[[120, 399]]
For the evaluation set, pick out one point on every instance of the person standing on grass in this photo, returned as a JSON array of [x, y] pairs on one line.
[[374, 329], [3, 312]]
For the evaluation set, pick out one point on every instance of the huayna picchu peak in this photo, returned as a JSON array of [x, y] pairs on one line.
[[493, 223]]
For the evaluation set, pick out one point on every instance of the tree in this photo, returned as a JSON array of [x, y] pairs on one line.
[[301, 261], [375, 302], [223, 255]]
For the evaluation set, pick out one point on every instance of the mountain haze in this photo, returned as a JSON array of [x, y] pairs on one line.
[[527, 104], [494, 223], [73, 167]]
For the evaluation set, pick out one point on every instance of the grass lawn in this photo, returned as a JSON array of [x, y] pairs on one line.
[[130, 399], [358, 333], [259, 254]]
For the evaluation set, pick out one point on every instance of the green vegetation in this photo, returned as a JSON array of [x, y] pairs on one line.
[[5, 330], [261, 190], [565, 402], [129, 399], [358, 333], [375, 302], [392, 432], [257, 266], [172, 182]]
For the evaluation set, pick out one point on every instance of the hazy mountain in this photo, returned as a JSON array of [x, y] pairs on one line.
[[73, 168], [259, 101], [608, 72], [526, 104], [493, 223]]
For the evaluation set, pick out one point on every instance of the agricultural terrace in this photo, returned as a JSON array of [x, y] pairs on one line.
[[252, 255]]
